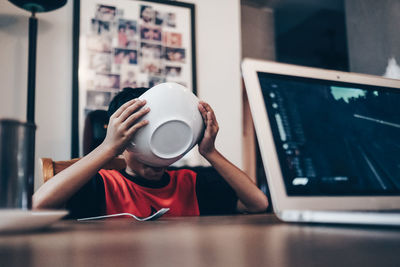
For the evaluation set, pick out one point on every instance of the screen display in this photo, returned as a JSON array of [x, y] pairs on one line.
[[334, 138]]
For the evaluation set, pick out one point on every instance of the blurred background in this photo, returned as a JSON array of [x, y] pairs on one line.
[[347, 35]]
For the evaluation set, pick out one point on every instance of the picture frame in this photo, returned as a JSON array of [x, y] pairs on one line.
[[127, 43]]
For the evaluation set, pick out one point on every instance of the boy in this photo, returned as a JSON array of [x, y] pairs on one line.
[[141, 189]]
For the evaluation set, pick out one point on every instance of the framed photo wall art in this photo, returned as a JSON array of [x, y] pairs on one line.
[[127, 43]]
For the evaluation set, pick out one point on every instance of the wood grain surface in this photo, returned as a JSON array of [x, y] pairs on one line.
[[245, 240]]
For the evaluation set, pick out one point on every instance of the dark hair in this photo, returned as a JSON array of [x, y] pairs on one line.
[[128, 93]]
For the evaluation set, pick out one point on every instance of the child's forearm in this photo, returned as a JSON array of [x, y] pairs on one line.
[[248, 193], [122, 125], [56, 192]]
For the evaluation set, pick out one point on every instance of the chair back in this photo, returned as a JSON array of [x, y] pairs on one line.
[[51, 168], [95, 130]]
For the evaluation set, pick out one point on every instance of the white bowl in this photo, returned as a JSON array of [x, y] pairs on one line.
[[175, 125]]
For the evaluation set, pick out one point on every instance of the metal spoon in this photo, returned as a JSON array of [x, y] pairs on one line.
[[154, 216]]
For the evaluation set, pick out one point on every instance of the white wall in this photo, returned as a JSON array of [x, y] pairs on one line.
[[53, 76], [218, 73], [218, 69]]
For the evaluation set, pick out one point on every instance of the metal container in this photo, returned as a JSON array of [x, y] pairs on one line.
[[17, 158]]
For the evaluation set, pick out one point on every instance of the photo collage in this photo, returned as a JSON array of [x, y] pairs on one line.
[[123, 52]]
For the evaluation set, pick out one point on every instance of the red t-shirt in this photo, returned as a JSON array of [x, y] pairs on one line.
[[123, 195], [186, 192]]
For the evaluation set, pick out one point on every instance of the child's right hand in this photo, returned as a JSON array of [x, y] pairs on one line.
[[122, 125]]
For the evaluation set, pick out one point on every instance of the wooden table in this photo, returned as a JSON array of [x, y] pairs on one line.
[[246, 240]]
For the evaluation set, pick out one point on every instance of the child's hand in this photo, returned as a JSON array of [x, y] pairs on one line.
[[122, 125], [207, 143]]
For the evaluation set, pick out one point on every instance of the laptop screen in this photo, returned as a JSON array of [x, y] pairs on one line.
[[334, 138]]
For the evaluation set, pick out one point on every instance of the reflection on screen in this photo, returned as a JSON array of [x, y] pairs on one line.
[[334, 138]]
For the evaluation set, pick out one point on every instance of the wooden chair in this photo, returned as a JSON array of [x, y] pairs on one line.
[[50, 168]]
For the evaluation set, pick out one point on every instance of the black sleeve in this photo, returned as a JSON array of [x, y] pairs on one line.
[[89, 201], [214, 195]]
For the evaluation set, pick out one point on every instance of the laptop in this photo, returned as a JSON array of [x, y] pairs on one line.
[[329, 142]]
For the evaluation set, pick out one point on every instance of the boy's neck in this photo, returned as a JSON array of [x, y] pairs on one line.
[[147, 173], [146, 181]]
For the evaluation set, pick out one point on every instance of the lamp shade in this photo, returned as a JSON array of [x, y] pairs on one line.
[[39, 5]]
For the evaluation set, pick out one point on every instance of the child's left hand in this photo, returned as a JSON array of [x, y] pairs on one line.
[[207, 143]]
